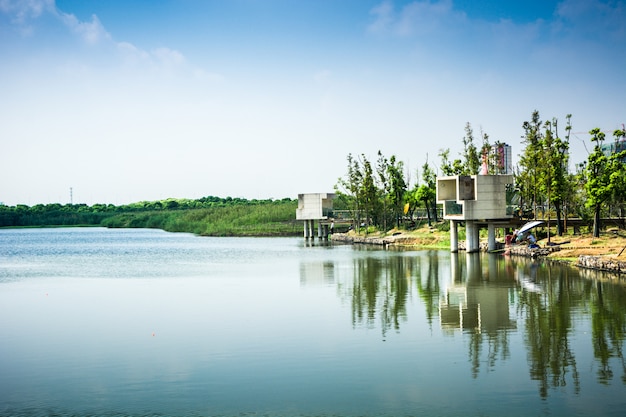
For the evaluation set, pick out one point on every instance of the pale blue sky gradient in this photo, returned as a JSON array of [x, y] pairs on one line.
[[126, 101]]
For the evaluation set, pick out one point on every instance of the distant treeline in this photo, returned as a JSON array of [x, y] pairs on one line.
[[213, 216]]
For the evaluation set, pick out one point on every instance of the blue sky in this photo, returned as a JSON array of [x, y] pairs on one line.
[[125, 101]]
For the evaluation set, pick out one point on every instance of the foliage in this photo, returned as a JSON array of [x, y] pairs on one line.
[[605, 176], [205, 216], [426, 192], [374, 198], [470, 164]]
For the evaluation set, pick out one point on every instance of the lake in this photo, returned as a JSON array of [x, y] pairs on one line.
[[141, 322]]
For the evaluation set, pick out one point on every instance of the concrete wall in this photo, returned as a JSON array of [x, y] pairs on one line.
[[314, 206], [483, 197]]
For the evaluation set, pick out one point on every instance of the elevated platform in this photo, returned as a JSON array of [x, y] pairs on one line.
[[316, 207]]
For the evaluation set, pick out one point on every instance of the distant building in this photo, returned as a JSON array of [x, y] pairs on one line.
[[499, 158], [614, 147]]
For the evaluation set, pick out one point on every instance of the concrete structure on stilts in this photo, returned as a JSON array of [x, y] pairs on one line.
[[477, 201], [316, 207]]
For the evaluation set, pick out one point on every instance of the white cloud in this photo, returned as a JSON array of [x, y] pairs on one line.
[[168, 57], [91, 32], [418, 17], [384, 17], [21, 13], [592, 18], [131, 54], [23, 10]]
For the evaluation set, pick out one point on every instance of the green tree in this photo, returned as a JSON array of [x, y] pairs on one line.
[[369, 194], [556, 180], [426, 194], [398, 187], [349, 189], [384, 182], [604, 177], [471, 159], [531, 162], [619, 193], [450, 167]]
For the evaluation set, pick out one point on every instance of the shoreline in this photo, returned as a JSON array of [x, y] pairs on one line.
[[603, 263]]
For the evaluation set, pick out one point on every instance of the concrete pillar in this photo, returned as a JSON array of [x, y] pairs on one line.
[[469, 236], [454, 236], [476, 237], [325, 231], [306, 229], [472, 240], [311, 224], [491, 237], [319, 230]]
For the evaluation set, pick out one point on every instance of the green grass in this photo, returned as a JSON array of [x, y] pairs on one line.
[[266, 219]]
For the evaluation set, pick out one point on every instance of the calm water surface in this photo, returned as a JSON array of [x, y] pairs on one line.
[[143, 322]]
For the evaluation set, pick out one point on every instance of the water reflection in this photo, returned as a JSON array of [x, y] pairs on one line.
[[493, 301]]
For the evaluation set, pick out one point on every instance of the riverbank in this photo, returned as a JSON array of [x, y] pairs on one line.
[[606, 253]]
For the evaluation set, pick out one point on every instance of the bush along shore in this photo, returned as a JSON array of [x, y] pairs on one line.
[[208, 216], [607, 253]]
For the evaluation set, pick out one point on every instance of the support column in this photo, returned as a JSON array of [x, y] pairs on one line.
[[476, 238], [471, 237], [306, 229], [319, 229], [491, 237], [311, 224], [454, 236], [469, 231]]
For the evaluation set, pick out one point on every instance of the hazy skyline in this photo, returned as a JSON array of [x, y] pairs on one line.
[[126, 101]]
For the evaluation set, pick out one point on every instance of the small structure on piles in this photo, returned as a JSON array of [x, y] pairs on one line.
[[477, 201], [316, 207]]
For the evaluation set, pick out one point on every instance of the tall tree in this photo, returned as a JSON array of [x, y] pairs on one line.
[[369, 193], [604, 176], [426, 192], [528, 180], [398, 187], [471, 158], [619, 194], [448, 167], [349, 189], [557, 180], [384, 183]]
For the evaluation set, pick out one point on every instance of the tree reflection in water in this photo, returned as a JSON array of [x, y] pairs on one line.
[[490, 297], [547, 315]]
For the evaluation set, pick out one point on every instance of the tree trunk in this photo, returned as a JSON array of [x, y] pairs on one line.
[[559, 221], [596, 221], [428, 212]]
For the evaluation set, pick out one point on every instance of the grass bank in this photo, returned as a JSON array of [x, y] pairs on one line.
[[267, 219], [611, 244]]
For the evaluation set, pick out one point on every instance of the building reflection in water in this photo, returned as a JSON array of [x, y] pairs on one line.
[[317, 273], [475, 300], [490, 299]]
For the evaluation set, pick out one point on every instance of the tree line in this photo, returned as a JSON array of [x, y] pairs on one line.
[[56, 214], [380, 195]]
